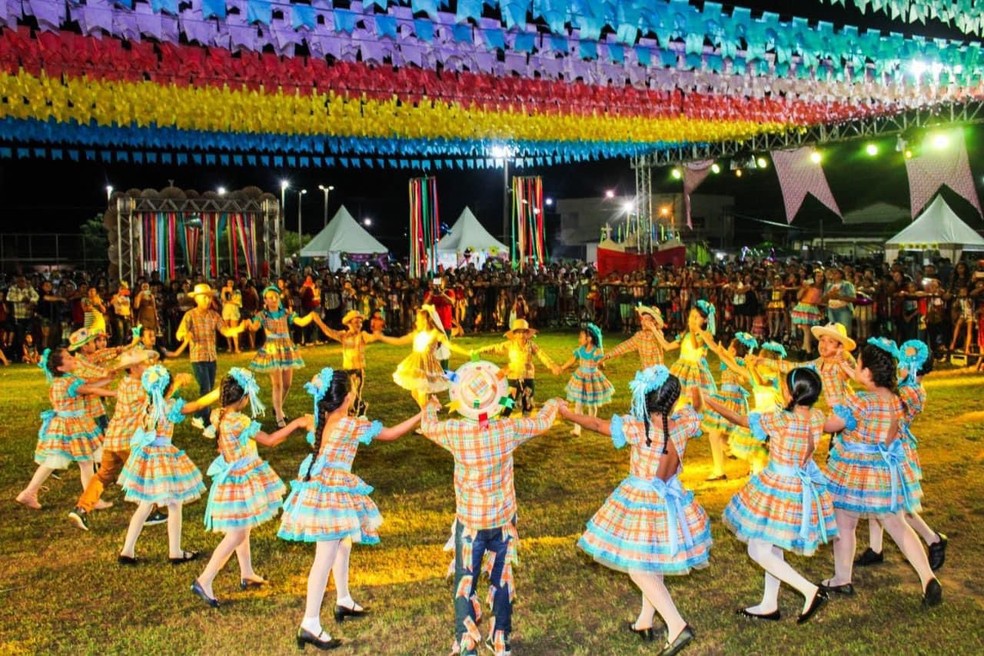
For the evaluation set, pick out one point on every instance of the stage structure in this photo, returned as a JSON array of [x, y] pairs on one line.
[[425, 226], [174, 232]]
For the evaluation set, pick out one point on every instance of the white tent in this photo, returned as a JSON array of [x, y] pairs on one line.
[[937, 228], [343, 234], [468, 233]]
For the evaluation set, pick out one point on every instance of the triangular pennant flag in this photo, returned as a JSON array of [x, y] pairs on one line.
[[942, 161], [800, 175], [693, 174]]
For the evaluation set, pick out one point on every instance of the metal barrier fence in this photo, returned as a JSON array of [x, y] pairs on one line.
[[42, 251]]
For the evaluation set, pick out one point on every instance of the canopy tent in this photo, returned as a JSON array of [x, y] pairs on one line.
[[343, 234], [937, 228], [468, 234]]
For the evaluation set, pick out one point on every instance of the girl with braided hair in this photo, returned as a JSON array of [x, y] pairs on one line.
[[786, 507], [588, 387], [691, 368], [650, 526], [157, 473], [732, 394], [245, 491], [328, 504], [870, 476]]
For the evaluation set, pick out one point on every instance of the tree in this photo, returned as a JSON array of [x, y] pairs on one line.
[[95, 242], [293, 243]]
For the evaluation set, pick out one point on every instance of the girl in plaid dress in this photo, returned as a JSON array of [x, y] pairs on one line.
[[328, 504], [650, 526], [588, 387], [732, 394], [157, 473], [691, 368], [786, 507], [278, 356], [766, 397], [914, 363], [68, 434], [807, 312], [245, 491], [869, 473]]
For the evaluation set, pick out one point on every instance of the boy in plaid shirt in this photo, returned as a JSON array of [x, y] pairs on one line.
[[485, 517]]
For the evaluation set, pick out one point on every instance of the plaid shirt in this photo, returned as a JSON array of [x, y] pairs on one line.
[[22, 300], [483, 463], [520, 357], [832, 375], [353, 348], [200, 329], [644, 341], [131, 406], [87, 370]]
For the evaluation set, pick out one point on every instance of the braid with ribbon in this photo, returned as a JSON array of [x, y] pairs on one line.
[[646, 381], [328, 390], [707, 310], [245, 379], [43, 365]]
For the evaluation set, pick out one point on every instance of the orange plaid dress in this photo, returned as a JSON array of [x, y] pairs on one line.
[[88, 370], [868, 475], [245, 490], [328, 501], [913, 397], [787, 504], [648, 524], [68, 433]]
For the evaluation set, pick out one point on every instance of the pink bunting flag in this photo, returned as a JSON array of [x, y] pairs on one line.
[[799, 175], [693, 174], [942, 161]]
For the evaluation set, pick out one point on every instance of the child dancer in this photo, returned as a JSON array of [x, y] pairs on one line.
[[279, 356], [328, 504], [521, 349], [245, 491], [650, 526], [868, 471], [157, 472], [420, 372], [806, 313], [485, 517], [588, 387], [914, 363], [128, 416], [787, 506], [68, 433], [354, 341], [732, 394], [767, 397], [692, 368], [648, 340], [835, 363]]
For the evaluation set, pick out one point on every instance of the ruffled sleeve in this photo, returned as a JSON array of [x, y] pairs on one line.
[[846, 413], [366, 431], [617, 426], [755, 424], [174, 413], [249, 433], [687, 421], [73, 388], [913, 399]]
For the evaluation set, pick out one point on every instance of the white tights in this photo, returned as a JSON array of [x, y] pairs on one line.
[[237, 542], [901, 533], [876, 534], [140, 515], [770, 558], [655, 597], [329, 557], [592, 412]]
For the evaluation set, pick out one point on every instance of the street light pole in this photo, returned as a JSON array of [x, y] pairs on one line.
[[326, 190], [505, 199], [300, 222]]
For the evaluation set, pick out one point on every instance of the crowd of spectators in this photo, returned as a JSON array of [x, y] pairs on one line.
[[939, 302]]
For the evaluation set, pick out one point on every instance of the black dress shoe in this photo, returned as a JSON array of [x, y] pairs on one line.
[[933, 595], [246, 584], [308, 638], [819, 599], [186, 557], [341, 612], [127, 560], [845, 589], [774, 616], [869, 557], [647, 635], [197, 588], [681, 641], [937, 553]]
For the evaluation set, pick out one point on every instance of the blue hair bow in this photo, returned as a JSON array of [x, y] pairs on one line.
[[251, 388], [646, 381]]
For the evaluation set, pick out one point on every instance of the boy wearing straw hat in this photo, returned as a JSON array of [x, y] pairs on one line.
[[485, 515], [198, 327], [353, 341], [834, 363], [131, 404], [520, 349], [648, 340]]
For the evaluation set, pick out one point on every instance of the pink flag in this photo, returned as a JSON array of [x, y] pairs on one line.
[[799, 175], [693, 174], [940, 164]]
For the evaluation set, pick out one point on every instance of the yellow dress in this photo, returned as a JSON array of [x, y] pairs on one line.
[[421, 370], [692, 368]]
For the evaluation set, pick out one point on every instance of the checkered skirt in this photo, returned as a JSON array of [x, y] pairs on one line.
[[333, 505], [67, 434], [161, 473], [588, 386], [806, 314]]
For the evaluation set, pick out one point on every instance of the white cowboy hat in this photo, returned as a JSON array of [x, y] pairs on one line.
[[202, 289], [136, 356], [478, 390]]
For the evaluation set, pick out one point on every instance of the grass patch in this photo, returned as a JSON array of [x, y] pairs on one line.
[[61, 590]]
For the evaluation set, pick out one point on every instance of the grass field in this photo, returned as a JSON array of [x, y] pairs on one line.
[[61, 590]]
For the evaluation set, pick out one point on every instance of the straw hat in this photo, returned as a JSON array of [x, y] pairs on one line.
[[834, 331], [80, 338], [517, 325], [435, 317], [478, 390], [202, 289], [645, 310], [136, 356], [350, 315]]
